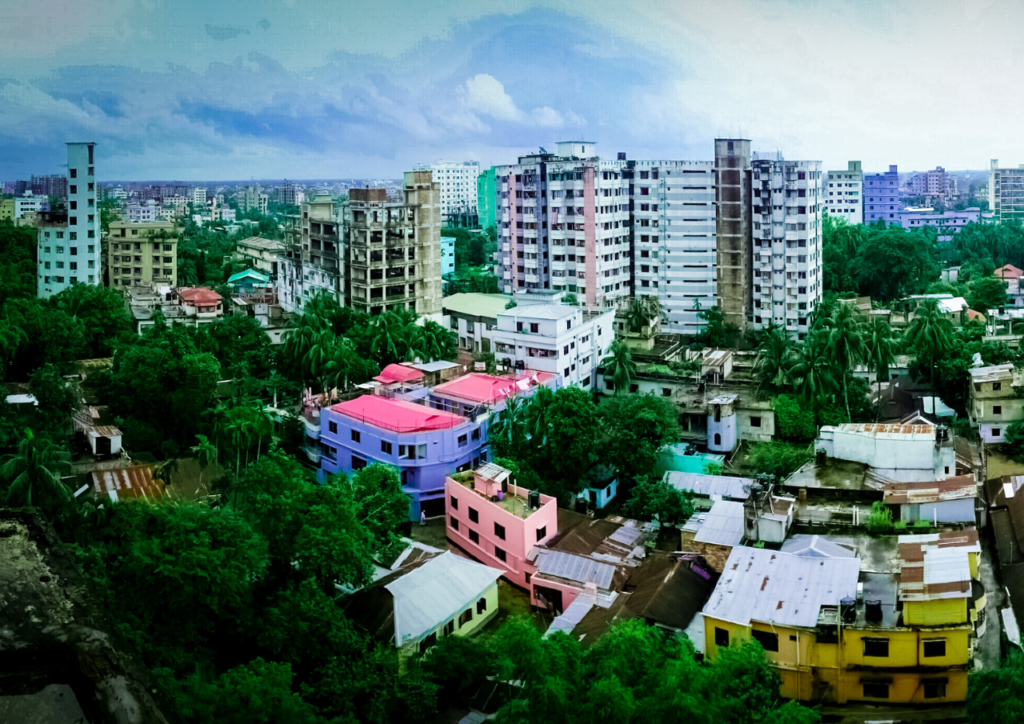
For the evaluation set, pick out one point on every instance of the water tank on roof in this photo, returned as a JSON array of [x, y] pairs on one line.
[[848, 610], [534, 499], [873, 610]]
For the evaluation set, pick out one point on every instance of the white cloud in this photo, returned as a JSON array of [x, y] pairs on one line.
[[547, 117], [485, 94]]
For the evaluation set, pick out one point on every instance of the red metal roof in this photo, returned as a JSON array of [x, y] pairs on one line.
[[397, 415], [480, 387], [133, 482], [201, 295], [398, 373]]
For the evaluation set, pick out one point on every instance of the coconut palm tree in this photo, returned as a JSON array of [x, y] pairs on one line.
[[262, 424], [389, 334], [342, 362], [206, 453], [436, 340], [930, 333], [537, 422], [880, 352], [774, 357], [845, 345], [619, 365], [812, 370], [507, 428], [33, 474]]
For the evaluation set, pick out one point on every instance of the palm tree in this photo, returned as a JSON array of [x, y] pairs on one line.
[[636, 315], [436, 340], [930, 333], [165, 469], [238, 428], [388, 333], [881, 346], [318, 353], [507, 428], [812, 370], [845, 345], [33, 473], [537, 422], [774, 356], [206, 453], [341, 363], [620, 365]]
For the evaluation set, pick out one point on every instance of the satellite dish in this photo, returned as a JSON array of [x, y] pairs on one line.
[[542, 150]]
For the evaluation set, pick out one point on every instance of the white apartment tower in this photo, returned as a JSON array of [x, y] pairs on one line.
[[786, 219], [69, 241], [458, 186], [844, 195], [199, 196]]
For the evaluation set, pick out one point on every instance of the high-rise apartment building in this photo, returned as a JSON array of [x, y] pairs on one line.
[[199, 196], [290, 194], [50, 186], [882, 197], [142, 253], [485, 198], [733, 229], [394, 248], [786, 219], [69, 244], [313, 259], [1006, 192], [458, 186], [251, 197], [844, 194]]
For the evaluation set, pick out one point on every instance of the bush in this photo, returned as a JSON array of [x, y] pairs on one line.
[[794, 422], [922, 524], [900, 526], [1014, 439], [778, 458], [880, 519]]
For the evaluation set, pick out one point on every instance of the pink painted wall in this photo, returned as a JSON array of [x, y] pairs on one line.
[[590, 230], [520, 533]]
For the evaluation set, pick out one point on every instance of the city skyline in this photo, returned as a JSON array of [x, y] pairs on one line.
[[292, 89]]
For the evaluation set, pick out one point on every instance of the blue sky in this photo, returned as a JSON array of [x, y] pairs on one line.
[[220, 90]]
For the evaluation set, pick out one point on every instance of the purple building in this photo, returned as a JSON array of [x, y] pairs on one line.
[[882, 197], [424, 443]]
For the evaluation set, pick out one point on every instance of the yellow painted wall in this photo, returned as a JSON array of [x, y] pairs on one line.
[[479, 619], [972, 559], [937, 612], [906, 688]]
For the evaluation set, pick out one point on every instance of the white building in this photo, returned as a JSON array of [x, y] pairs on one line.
[[457, 181], [199, 196], [786, 221], [252, 198], [69, 244], [558, 338], [143, 212], [901, 453], [118, 194], [946, 224], [28, 204], [844, 195]]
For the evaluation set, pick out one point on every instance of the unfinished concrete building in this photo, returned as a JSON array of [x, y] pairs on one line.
[[312, 260], [732, 193], [394, 248]]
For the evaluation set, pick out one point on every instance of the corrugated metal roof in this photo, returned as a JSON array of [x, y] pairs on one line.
[[722, 486], [957, 488], [435, 592], [133, 482], [723, 525], [572, 615], [815, 546], [575, 568], [993, 373], [946, 565], [775, 587]]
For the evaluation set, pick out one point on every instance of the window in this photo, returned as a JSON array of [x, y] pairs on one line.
[[876, 691], [997, 386], [465, 617], [481, 605], [474, 516], [500, 554], [721, 637], [385, 447], [935, 689], [755, 422], [878, 648], [542, 533], [768, 640], [454, 501], [358, 463], [74, 173], [453, 522], [666, 391], [499, 530], [534, 327], [474, 537], [332, 426], [935, 647], [997, 409], [996, 432], [449, 628], [462, 441], [355, 436]]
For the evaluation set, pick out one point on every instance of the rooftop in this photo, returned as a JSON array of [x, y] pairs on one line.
[[476, 305], [836, 475], [541, 311], [258, 242], [397, 415], [398, 373], [886, 431], [816, 546], [249, 274], [513, 498], [199, 295], [713, 486], [489, 389], [723, 524], [993, 373], [135, 482], [958, 488]]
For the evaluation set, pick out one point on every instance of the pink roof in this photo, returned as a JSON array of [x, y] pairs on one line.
[[1009, 271], [398, 373], [487, 388], [397, 415], [199, 294]]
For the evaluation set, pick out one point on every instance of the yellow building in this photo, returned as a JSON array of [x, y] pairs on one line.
[[839, 634], [7, 210], [142, 253]]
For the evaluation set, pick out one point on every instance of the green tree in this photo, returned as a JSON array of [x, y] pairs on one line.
[[206, 452], [774, 357], [716, 332], [812, 370], [880, 349], [778, 458], [929, 334], [656, 499], [636, 428], [619, 365], [57, 399], [845, 346], [986, 293], [33, 475], [794, 422], [997, 695], [102, 313], [259, 692]]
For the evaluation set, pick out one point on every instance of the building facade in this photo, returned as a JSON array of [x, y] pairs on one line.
[[457, 186], [199, 196], [995, 403], [485, 198], [447, 255], [1006, 192], [844, 197], [28, 203], [882, 197], [394, 249], [142, 254], [75, 259], [262, 254], [786, 212], [947, 224], [733, 250], [251, 197], [312, 258]]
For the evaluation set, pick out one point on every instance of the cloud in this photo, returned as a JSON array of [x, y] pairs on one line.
[[547, 117], [224, 32], [485, 94]]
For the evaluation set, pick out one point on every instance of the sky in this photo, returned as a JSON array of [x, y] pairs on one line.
[[227, 90]]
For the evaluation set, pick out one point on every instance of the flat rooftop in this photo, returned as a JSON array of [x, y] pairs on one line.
[[484, 388], [836, 475], [510, 501], [397, 415]]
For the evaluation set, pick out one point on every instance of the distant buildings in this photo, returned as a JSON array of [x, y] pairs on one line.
[[994, 401], [252, 198], [844, 197], [69, 244], [144, 212], [447, 255], [28, 203], [935, 186], [947, 224], [7, 210], [50, 186], [882, 197], [485, 198], [457, 184], [1006, 192], [199, 196], [290, 194], [142, 253], [313, 260], [259, 253]]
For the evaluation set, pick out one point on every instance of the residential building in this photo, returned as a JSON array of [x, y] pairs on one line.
[[934, 185], [1006, 512], [995, 402], [882, 197], [485, 198], [312, 259], [733, 231], [947, 224], [708, 489], [75, 259], [199, 196], [787, 277], [1006, 192], [200, 302], [50, 186], [457, 186], [447, 256], [394, 249], [559, 339], [477, 394], [7, 210], [142, 253], [905, 639], [145, 212], [290, 194], [259, 253], [901, 453], [473, 316], [29, 203], [425, 600], [599, 487], [845, 194], [940, 501], [251, 197]]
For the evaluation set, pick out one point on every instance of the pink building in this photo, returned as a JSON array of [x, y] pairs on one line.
[[494, 521]]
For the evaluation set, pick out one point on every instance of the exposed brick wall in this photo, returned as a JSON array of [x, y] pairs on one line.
[[715, 555]]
